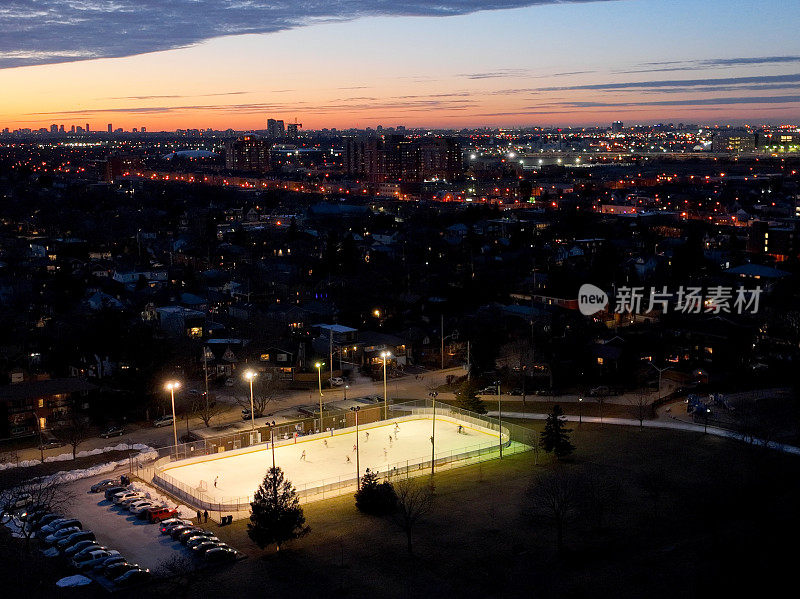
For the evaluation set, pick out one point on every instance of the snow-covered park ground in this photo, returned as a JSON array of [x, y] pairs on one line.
[[320, 460]]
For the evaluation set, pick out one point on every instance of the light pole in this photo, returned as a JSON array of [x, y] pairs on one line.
[[272, 444], [346, 387], [355, 409], [499, 419], [660, 370], [172, 385], [385, 355], [580, 410], [249, 376], [319, 366]]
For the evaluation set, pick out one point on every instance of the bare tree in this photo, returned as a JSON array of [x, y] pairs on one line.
[[599, 489], [206, 410], [415, 500], [554, 497], [641, 405], [74, 432], [265, 392], [45, 492]]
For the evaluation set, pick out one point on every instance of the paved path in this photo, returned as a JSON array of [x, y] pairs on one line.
[[666, 424]]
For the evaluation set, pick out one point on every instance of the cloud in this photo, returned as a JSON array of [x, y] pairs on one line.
[[51, 31], [722, 101], [711, 63], [682, 83], [175, 96]]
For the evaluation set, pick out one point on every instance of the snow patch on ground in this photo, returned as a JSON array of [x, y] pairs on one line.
[[65, 457], [76, 580]]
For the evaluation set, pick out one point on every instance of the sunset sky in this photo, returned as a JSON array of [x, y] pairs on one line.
[[356, 63]]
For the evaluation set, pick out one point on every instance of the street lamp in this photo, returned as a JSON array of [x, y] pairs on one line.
[[172, 385], [346, 387], [355, 409], [385, 355], [580, 410], [319, 366], [499, 419], [249, 376]]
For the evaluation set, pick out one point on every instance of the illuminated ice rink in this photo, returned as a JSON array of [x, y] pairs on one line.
[[326, 458]]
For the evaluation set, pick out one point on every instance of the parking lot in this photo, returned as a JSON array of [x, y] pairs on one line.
[[137, 540]]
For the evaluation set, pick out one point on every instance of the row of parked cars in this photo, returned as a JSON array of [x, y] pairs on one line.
[[202, 542], [81, 548]]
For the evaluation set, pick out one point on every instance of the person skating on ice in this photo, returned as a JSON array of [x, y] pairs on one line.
[[216, 478], [303, 456]]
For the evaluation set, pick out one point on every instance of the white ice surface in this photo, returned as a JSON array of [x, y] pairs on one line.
[[238, 475]]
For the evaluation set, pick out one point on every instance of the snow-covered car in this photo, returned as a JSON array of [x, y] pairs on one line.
[[61, 533], [114, 570], [336, 381], [111, 491], [176, 530], [79, 535], [82, 561], [140, 510], [196, 540], [80, 546], [186, 537], [112, 559], [137, 503], [58, 525], [123, 495]]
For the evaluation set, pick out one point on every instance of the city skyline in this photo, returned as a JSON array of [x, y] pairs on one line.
[[555, 64]]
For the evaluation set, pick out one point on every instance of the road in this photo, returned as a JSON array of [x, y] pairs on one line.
[[229, 398]]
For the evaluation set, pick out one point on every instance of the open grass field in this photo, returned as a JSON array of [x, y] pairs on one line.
[[688, 516]]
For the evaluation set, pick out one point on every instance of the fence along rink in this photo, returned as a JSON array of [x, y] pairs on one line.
[[514, 440]]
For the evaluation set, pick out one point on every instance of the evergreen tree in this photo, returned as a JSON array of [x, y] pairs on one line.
[[374, 497], [467, 398], [555, 436], [276, 515]]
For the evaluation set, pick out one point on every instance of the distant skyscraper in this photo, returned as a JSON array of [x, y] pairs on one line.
[[292, 129], [61, 128], [54, 128], [110, 128], [275, 128], [144, 129], [248, 153], [88, 128], [616, 127]]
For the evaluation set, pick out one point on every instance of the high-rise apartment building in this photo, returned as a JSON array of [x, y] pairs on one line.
[[275, 128], [110, 128], [394, 158], [248, 153]]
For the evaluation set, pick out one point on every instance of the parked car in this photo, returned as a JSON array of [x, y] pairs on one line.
[[58, 525], [80, 546], [61, 533], [201, 547], [81, 535], [98, 559], [112, 559], [195, 541], [229, 382], [185, 538], [36, 521], [142, 511], [110, 492], [114, 431], [516, 391], [157, 514], [336, 381], [246, 414], [52, 444], [220, 554], [123, 495], [179, 529], [167, 527], [163, 421], [126, 503], [88, 550], [490, 390], [132, 577], [103, 485], [114, 570], [136, 504], [86, 559]]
